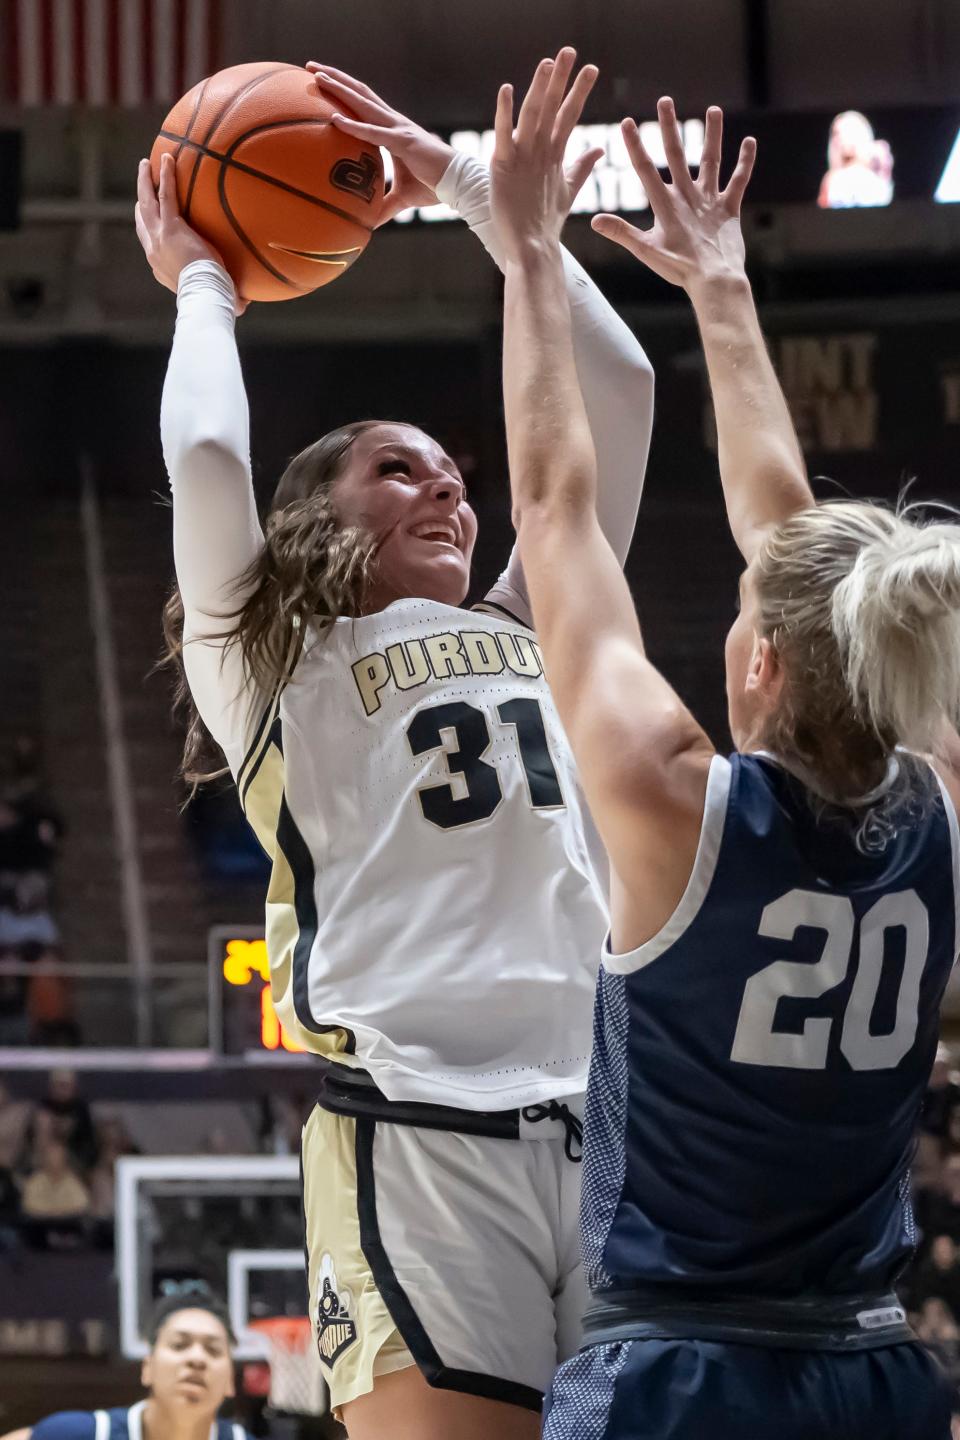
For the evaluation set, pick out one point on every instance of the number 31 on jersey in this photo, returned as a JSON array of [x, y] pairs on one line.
[[462, 733]]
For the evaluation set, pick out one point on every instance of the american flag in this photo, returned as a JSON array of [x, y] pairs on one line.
[[106, 52]]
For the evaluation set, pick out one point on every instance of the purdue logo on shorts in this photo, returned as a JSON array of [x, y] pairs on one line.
[[336, 1329]]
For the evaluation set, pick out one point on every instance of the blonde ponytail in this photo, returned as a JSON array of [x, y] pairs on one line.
[[896, 618], [862, 605]]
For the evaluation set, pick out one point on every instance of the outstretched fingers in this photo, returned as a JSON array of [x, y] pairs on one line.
[[571, 109], [329, 73], [528, 121], [368, 106], [580, 169], [503, 124], [709, 176], [657, 192], [740, 178], [615, 228], [384, 135], [563, 64], [673, 147]]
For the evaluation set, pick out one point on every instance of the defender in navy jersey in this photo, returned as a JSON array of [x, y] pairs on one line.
[[188, 1372], [784, 921]]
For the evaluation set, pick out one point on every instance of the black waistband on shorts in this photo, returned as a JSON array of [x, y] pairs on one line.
[[805, 1322], [345, 1090], [348, 1091]]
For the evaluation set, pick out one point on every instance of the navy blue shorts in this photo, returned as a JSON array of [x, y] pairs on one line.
[[705, 1390]]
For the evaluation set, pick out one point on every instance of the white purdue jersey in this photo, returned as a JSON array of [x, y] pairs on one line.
[[433, 913]]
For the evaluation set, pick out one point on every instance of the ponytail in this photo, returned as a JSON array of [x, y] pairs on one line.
[[862, 606], [896, 619]]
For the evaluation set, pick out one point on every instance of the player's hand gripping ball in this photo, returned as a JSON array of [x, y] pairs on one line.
[[287, 199]]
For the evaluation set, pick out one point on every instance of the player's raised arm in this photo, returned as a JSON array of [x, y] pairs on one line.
[[696, 242], [642, 757], [205, 430], [616, 378]]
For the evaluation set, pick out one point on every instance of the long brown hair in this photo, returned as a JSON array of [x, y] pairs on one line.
[[310, 568]]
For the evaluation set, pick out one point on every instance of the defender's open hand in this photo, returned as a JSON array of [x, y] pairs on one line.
[[531, 195], [696, 233]]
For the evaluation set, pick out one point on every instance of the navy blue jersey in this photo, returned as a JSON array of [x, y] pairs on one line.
[[759, 1066], [115, 1425]]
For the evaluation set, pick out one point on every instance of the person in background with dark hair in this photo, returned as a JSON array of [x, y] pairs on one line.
[[188, 1374], [70, 1116]]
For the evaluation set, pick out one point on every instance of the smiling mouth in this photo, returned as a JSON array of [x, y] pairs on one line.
[[436, 534]]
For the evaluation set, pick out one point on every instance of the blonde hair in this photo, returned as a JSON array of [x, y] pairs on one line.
[[862, 605]]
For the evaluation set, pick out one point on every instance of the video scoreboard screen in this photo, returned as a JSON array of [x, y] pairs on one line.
[[851, 159]]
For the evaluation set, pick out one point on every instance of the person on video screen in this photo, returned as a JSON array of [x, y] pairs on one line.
[[859, 166]]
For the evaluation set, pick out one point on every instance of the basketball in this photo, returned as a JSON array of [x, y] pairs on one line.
[[286, 198]]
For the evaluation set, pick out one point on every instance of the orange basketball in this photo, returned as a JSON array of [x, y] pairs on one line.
[[288, 200]]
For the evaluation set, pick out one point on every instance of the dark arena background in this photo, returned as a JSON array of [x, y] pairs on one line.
[[134, 1012]]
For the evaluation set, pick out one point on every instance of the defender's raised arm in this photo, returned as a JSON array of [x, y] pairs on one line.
[[696, 243]]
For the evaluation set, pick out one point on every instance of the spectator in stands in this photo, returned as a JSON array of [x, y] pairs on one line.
[[953, 1128], [943, 1094], [28, 921], [13, 1123], [113, 1141], [9, 1212], [50, 1002], [937, 1322], [55, 1191], [927, 1169], [27, 841], [281, 1123], [14, 1014], [939, 1274], [23, 781], [938, 1210], [72, 1121]]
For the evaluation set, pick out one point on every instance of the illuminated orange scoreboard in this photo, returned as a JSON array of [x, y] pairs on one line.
[[242, 1018]]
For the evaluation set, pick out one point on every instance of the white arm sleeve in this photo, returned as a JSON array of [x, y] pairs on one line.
[[615, 376], [204, 426]]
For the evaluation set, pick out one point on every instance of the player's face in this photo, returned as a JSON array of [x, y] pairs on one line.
[[189, 1368], [402, 487], [754, 678]]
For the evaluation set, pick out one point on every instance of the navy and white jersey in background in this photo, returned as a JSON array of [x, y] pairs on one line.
[[759, 1066], [115, 1425]]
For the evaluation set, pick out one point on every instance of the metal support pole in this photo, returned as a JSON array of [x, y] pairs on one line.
[[133, 900]]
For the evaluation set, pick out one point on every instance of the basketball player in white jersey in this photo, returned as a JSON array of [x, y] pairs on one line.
[[434, 913]]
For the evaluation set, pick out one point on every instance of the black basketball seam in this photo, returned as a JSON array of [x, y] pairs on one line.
[[226, 162], [243, 237], [278, 125], [193, 117], [221, 115]]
